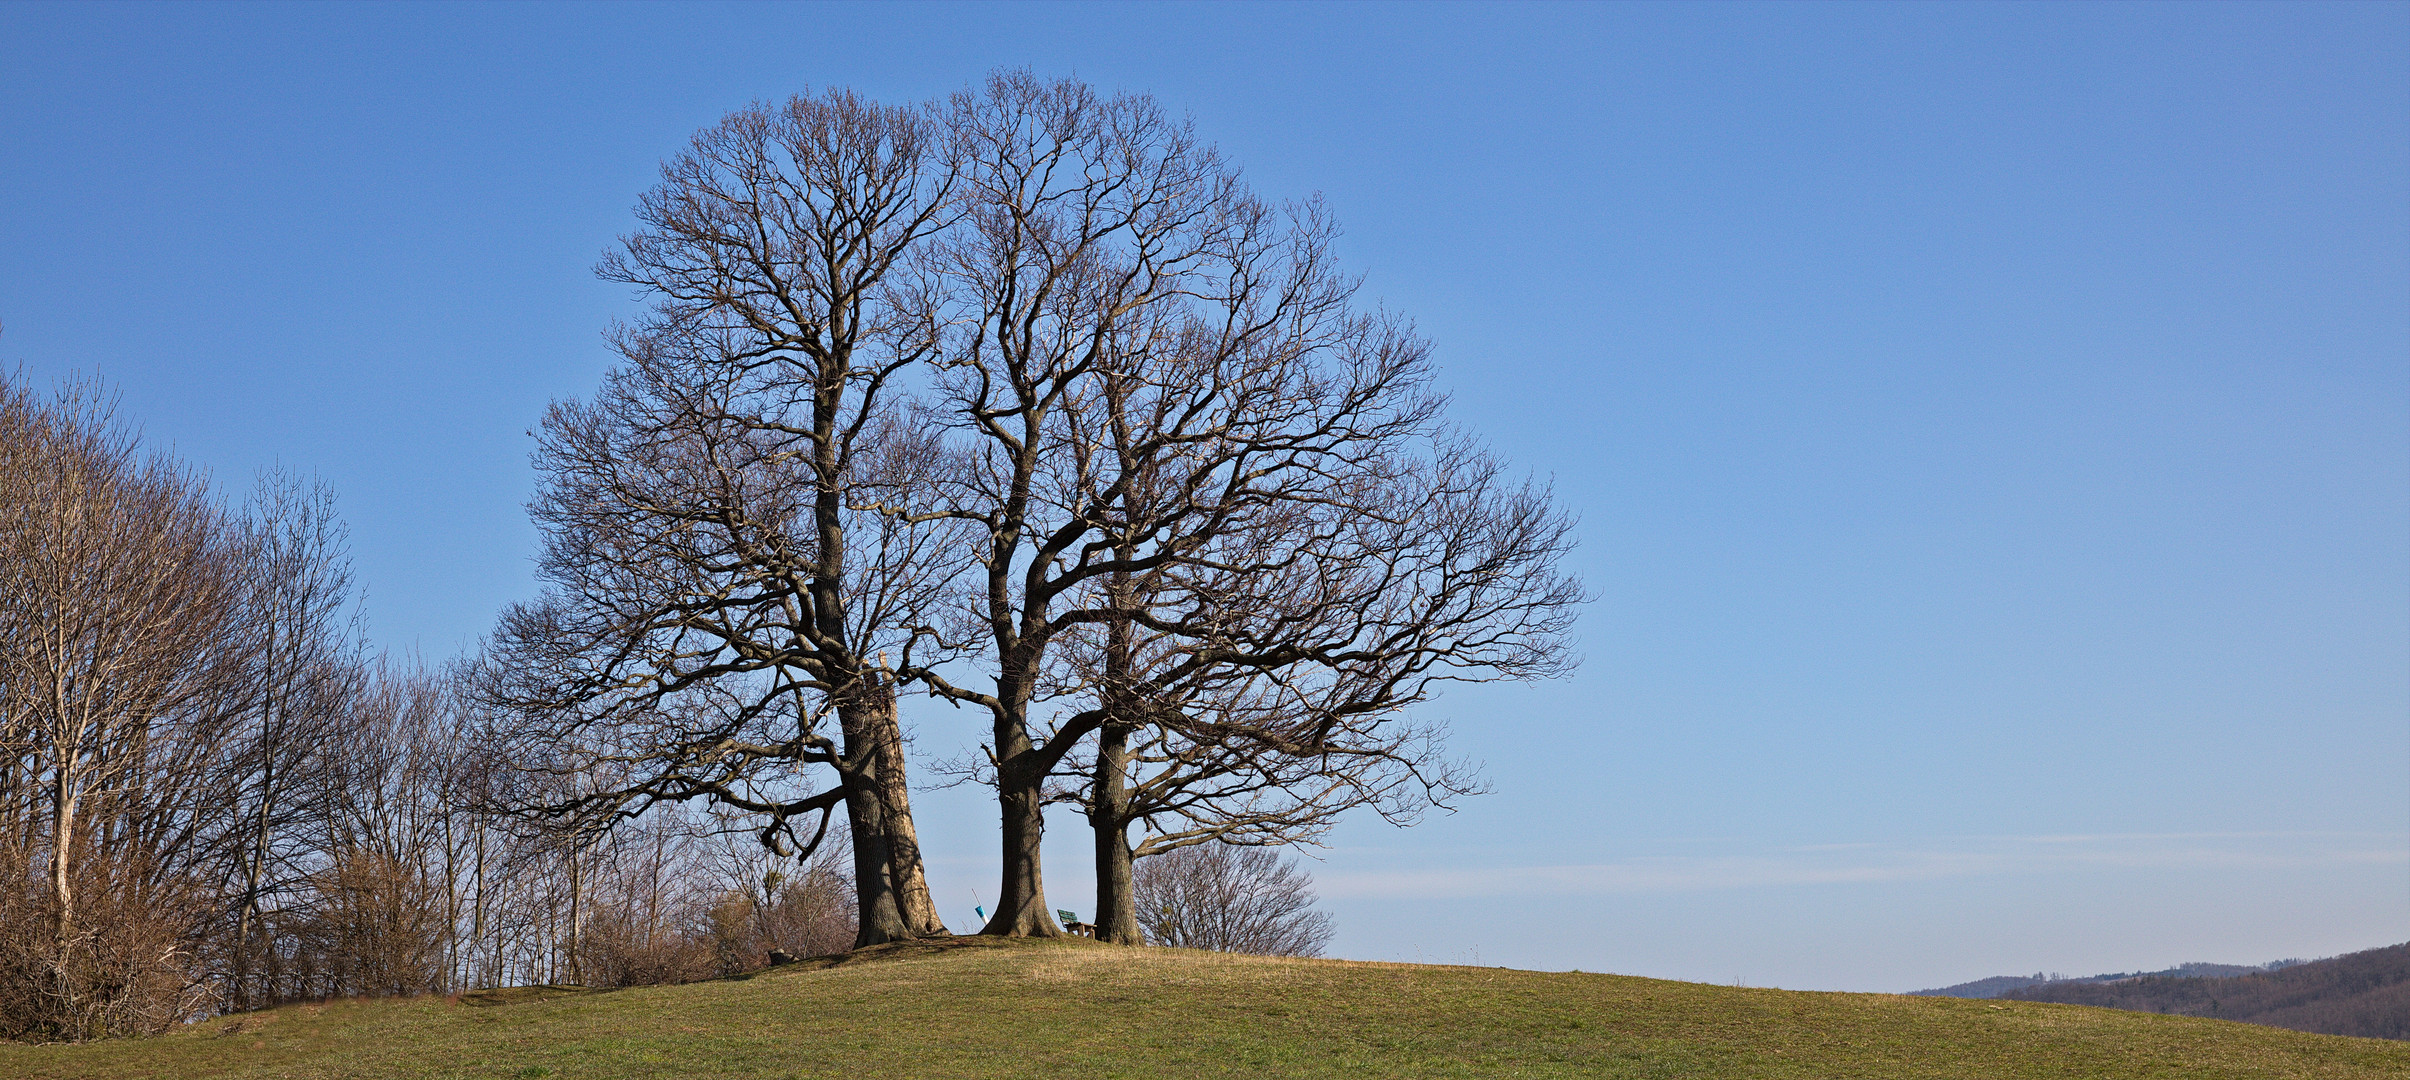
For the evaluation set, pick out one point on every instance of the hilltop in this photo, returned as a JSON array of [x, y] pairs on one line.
[[985, 1007]]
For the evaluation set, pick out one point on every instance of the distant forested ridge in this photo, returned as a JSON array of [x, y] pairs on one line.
[[2362, 993], [1999, 985], [1985, 988]]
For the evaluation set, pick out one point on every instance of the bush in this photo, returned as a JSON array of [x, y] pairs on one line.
[[126, 968], [1229, 899]]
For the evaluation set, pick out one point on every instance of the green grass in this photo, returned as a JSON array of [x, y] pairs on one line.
[[987, 1008]]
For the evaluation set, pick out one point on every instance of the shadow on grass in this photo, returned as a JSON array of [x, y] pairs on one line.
[[920, 947], [521, 995], [894, 950]]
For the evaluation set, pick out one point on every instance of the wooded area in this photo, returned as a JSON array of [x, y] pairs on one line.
[[2363, 993], [1019, 401], [213, 796]]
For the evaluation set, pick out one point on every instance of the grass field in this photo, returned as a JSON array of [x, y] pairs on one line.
[[988, 1008]]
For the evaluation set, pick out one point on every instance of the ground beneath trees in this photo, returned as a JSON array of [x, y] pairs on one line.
[[976, 1007]]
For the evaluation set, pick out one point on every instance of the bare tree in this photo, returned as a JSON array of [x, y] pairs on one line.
[[721, 578], [766, 907], [1254, 693], [1221, 516], [176, 685], [379, 920], [123, 584], [1096, 233], [290, 734], [1230, 899]]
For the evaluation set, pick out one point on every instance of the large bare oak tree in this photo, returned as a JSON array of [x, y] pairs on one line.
[[1219, 512], [1252, 692], [721, 582]]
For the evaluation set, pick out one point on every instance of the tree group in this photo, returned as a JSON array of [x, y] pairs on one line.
[[1024, 401]]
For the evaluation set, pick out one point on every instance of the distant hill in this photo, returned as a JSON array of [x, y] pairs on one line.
[[1985, 988], [2362, 993], [1998, 985]]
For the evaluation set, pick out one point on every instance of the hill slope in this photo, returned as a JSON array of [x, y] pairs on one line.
[[2363, 993], [981, 1007]]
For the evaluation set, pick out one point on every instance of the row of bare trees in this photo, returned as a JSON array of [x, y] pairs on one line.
[[212, 796], [1025, 402]]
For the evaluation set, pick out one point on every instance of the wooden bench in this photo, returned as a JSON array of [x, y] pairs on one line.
[[1072, 924]]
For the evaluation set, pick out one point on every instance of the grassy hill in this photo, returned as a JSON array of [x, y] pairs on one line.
[[987, 1008]]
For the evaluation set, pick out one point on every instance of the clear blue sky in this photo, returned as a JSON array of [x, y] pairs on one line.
[[1990, 424]]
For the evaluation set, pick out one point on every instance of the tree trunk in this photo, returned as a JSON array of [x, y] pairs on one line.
[[254, 919], [909, 879], [874, 782], [242, 1000], [1020, 795], [1021, 895], [577, 893], [1108, 816], [62, 866], [877, 919]]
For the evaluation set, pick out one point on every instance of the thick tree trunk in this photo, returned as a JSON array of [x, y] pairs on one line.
[[1116, 890], [879, 737], [1021, 896], [1020, 795], [910, 880], [1109, 817], [877, 916], [1109, 788]]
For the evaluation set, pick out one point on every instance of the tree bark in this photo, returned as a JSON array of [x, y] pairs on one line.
[[1109, 817], [878, 918], [1020, 796], [876, 739], [1109, 794], [909, 879], [62, 866]]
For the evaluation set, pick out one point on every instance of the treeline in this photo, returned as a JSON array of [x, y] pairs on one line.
[[212, 796], [2362, 993], [2000, 984]]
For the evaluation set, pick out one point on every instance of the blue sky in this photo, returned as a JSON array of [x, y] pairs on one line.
[[1990, 423]]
